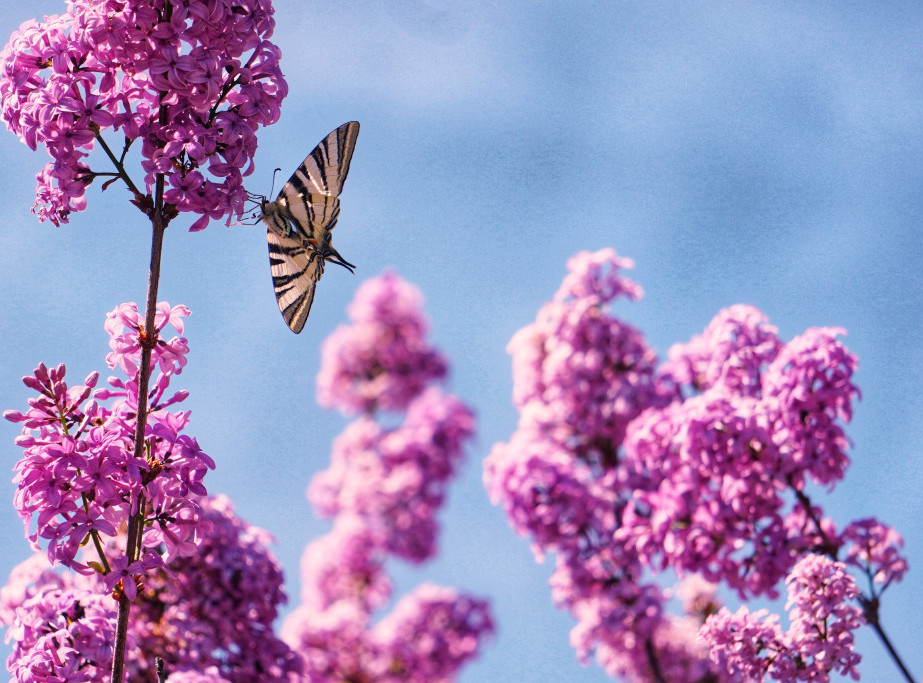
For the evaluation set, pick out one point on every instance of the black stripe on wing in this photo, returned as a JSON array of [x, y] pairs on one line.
[[324, 170], [295, 272], [311, 213]]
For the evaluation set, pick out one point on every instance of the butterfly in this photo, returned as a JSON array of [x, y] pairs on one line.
[[299, 221]]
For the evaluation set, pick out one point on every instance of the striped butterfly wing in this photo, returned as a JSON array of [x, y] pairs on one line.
[[308, 202], [295, 272], [324, 170]]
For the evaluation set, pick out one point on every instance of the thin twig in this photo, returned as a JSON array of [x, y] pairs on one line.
[[122, 173], [870, 608]]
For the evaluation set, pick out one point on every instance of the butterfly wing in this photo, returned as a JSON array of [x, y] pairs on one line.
[[324, 170], [295, 272], [300, 220], [310, 195]]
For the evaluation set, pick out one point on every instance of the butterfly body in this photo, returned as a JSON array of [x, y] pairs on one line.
[[299, 222]]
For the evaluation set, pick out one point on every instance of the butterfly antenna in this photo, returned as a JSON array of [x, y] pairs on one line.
[[273, 181]]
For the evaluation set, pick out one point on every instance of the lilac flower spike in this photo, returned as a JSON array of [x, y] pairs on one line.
[[382, 360], [384, 488], [78, 473]]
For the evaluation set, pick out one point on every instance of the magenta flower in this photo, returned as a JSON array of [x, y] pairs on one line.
[[210, 614], [581, 375], [215, 610], [875, 548], [430, 634], [699, 466], [78, 477], [382, 360], [194, 80], [819, 639], [62, 634]]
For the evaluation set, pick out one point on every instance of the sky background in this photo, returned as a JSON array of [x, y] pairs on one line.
[[761, 153]]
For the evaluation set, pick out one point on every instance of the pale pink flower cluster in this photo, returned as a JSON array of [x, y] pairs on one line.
[[384, 487]]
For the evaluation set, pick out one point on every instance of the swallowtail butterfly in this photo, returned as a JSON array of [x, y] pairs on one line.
[[299, 221]]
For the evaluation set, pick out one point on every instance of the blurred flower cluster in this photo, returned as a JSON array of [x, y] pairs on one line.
[[702, 465], [384, 487], [191, 80]]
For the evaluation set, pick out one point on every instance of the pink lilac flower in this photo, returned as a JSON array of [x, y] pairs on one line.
[[345, 564], [580, 375], [732, 352], [396, 479], [823, 613], [215, 608], [809, 387], [62, 634], [430, 634], [211, 613], [875, 548], [332, 643], [382, 360], [384, 487], [717, 475], [193, 80], [745, 644], [819, 640], [547, 494], [699, 466], [78, 477], [27, 578]]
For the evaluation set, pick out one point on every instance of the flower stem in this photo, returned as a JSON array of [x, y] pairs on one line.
[[870, 609], [148, 339]]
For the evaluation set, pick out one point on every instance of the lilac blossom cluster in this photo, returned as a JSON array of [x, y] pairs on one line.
[[213, 611], [701, 465], [62, 634], [209, 617], [384, 488], [819, 638], [79, 480], [193, 80], [383, 360]]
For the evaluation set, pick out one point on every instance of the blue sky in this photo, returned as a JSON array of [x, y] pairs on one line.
[[762, 153]]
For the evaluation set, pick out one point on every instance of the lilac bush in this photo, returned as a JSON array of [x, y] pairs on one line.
[[207, 590], [706, 465], [210, 611]]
